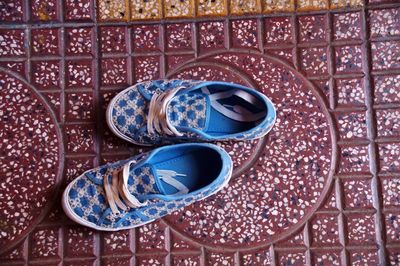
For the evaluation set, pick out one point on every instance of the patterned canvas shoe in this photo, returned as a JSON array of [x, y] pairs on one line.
[[167, 111], [136, 191]]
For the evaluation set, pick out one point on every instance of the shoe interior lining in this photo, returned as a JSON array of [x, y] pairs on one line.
[[220, 124], [200, 165]]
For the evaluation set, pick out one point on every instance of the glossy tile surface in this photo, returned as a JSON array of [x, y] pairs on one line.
[[322, 188]]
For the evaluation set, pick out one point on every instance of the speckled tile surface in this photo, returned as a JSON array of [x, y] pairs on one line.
[[323, 188]]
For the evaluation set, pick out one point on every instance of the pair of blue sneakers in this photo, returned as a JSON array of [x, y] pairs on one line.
[[138, 190]]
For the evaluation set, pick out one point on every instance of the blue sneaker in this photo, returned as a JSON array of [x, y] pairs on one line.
[[167, 111], [136, 191]]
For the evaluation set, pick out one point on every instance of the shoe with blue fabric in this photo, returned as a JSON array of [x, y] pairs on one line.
[[168, 111], [136, 191]]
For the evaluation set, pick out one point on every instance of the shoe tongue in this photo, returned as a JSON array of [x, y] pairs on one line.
[[189, 110], [143, 180]]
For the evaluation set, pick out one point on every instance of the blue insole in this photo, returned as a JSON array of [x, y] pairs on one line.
[[220, 124]]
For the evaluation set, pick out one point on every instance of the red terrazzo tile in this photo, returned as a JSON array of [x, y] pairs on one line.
[[354, 159], [146, 68], [179, 36], [350, 92], [324, 230], [323, 86], [360, 229], [151, 237], [46, 74], [284, 54], [314, 61], [278, 30], [17, 67], [82, 262], [392, 225], [391, 191], [146, 38], [357, 194], [79, 106], [394, 257], [387, 89], [45, 42], [185, 260], [117, 242], [79, 74], [174, 61], [12, 11], [389, 154], [388, 122], [385, 22], [76, 166], [330, 203], [326, 258], [295, 240], [12, 42], [114, 71], [258, 257], [352, 125], [44, 243], [312, 28], [244, 33], [79, 138], [79, 41], [113, 39], [291, 258], [214, 258], [78, 10], [79, 242], [358, 258], [44, 10], [54, 100], [180, 244], [347, 26], [348, 59], [121, 261], [211, 35], [38, 139], [385, 55], [151, 260], [16, 254]]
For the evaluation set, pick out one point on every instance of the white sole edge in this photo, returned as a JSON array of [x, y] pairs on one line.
[[74, 217]]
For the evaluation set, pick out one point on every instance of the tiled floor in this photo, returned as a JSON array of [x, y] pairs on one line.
[[324, 186]]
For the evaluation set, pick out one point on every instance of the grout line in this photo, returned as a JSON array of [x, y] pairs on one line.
[[371, 128], [133, 237], [130, 63], [341, 221], [307, 242], [331, 56], [260, 35], [203, 256], [163, 47], [168, 257], [26, 247], [274, 256], [236, 259], [195, 40], [227, 28], [295, 41]]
